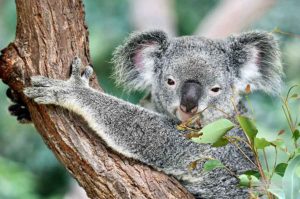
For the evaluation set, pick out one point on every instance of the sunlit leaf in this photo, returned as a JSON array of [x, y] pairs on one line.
[[280, 169], [248, 180], [290, 180], [278, 192], [248, 126], [261, 143], [210, 165], [214, 131]]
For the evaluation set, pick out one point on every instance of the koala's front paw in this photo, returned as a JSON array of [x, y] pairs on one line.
[[51, 91]]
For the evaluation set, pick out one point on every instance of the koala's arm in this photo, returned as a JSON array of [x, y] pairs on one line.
[[139, 133], [130, 130]]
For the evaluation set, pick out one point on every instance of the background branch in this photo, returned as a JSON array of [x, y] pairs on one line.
[[231, 16], [153, 14]]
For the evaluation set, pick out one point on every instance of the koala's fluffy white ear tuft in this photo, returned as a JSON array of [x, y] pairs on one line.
[[135, 60], [256, 61]]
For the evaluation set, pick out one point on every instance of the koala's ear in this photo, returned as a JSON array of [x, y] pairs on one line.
[[136, 60], [256, 61]]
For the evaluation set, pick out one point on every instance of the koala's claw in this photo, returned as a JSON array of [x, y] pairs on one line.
[[13, 96], [76, 64], [85, 76], [88, 72], [18, 108], [21, 112]]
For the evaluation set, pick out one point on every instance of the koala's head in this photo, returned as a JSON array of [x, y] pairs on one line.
[[188, 74]]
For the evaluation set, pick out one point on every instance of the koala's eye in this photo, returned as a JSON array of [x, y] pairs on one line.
[[215, 89], [170, 82]]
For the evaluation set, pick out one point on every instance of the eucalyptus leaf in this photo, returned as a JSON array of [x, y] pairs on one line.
[[297, 151], [295, 95], [248, 180], [212, 164], [248, 127], [291, 181], [253, 173], [261, 143], [220, 142], [296, 135], [279, 143], [280, 169], [214, 131], [298, 171], [278, 192]]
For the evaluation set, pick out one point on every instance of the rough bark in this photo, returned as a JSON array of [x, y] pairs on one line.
[[49, 34]]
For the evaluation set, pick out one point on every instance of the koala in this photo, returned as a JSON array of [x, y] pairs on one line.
[[184, 76]]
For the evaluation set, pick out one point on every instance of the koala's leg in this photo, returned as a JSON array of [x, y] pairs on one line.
[[18, 108]]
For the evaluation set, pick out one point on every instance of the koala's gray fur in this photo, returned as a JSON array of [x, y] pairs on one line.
[[143, 62]]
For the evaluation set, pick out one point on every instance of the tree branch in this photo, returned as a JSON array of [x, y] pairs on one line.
[[232, 16], [153, 15], [49, 34]]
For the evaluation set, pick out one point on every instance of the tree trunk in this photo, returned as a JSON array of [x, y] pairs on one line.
[[49, 35]]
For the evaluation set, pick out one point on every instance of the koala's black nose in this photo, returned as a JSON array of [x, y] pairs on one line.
[[190, 95]]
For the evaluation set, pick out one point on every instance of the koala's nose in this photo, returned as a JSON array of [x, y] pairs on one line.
[[190, 95]]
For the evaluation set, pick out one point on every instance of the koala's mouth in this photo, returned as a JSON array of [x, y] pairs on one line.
[[183, 116]]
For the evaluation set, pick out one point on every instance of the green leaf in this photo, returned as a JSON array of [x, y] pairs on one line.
[[261, 143], [253, 173], [279, 143], [212, 164], [298, 171], [248, 181], [294, 95], [278, 192], [297, 151], [290, 180], [296, 135], [248, 127], [214, 131], [220, 142], [280, 169]]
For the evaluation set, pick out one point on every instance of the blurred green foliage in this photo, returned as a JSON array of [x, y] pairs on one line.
[[29, 170], [190, 13]]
